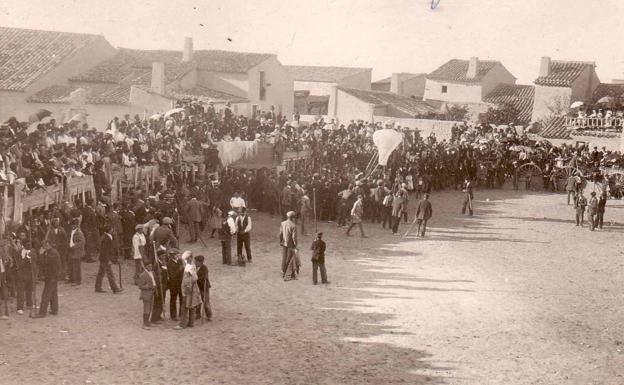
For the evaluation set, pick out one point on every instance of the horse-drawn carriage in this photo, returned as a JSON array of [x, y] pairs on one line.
[[532, 176]]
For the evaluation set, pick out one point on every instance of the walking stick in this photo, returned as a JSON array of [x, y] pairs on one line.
[[160, 291], [315, 223], [410, 228], [33, 269]]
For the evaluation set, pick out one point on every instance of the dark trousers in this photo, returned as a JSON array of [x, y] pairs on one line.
[[343, 214], [226, 250], [395, 224], [76, 271], [207, 309], [468, 204], [579, 217], [243, 240], [386, 217], [318, 266], [422, 222], [359, 224], [157, 308], [24, 288], [194, 230], [49, 296], [599, 220], [174, 296], [105, 269]]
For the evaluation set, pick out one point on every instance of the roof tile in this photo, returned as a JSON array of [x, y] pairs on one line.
[[563, 73], [26, 55], [556, 129], [114, 94], [455, 70], [408, 105], [520, 96]]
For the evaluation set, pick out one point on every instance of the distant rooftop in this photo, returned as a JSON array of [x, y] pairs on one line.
[[26, 55], [456, 70], [403, 103], [520, 96], [323, 74], [563, 73]]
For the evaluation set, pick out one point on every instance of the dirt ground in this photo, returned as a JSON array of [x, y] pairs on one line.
[[515, 295]]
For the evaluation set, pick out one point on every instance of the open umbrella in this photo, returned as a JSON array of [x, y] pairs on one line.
[[174, 111], [37, 116], [606, 99], [576, 104], [155, 117], [79, 117]]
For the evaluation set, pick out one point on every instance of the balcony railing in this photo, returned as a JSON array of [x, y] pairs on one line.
[[612, 123]]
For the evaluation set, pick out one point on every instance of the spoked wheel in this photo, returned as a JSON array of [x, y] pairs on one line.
[[529, 177], [616, 184], [560, 177]]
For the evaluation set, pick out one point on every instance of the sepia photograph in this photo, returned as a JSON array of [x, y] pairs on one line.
[[320, 192]]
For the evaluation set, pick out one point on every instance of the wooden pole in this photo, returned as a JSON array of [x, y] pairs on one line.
[[315, 222]]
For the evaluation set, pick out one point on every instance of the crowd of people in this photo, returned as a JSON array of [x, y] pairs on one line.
[[337, 185]]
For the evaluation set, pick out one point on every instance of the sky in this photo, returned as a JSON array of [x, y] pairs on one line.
[[385, 35]]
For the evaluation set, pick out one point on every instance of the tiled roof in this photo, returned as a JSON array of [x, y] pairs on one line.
[[556, 129], [114, 94], [26, 55], [455, 70], [520, 96], [228, 61], [204, 92], [563, 73], [408, 105], [607, 89], [132, 66], [323, 74]]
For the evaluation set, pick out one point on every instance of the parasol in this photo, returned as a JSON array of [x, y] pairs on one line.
[[155, 117], [606, 99], [174, 111], [38, 116], [79, 117], [576, 104]]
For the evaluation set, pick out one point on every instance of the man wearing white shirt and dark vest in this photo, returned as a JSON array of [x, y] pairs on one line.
[[243, 236]]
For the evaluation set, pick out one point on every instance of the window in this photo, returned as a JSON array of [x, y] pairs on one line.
[[444, 89], [262, 86]]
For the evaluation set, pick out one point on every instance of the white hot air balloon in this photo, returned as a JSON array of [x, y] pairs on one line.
[[386, 141]]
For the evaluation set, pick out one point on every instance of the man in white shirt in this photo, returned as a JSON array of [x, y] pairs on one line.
[[243, 236], [138, 250], [228, 229], [237, 203]]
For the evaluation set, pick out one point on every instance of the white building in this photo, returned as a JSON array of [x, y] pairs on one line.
[[404, 84], [466, 82]]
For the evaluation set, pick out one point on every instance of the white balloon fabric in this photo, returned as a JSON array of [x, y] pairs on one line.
[[386, 141]]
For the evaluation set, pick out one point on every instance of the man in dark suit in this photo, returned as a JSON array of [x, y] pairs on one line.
[[89, 226], [318, 259], [77, 252], [424, 212], [59, 242], [147, 285], [107, 257], [194, 217], [602, 202], [175, 270], [468, 197], [50, 263]]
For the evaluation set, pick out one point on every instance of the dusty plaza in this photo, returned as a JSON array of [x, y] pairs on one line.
[[296, 192], [514, 295]]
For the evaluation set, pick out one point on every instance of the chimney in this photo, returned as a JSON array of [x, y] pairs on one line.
[[187, 55], [544, 66], [396, 84], [472, 67], [158, 78]]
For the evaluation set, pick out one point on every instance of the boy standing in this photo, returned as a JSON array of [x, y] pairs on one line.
[[318, 259]]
